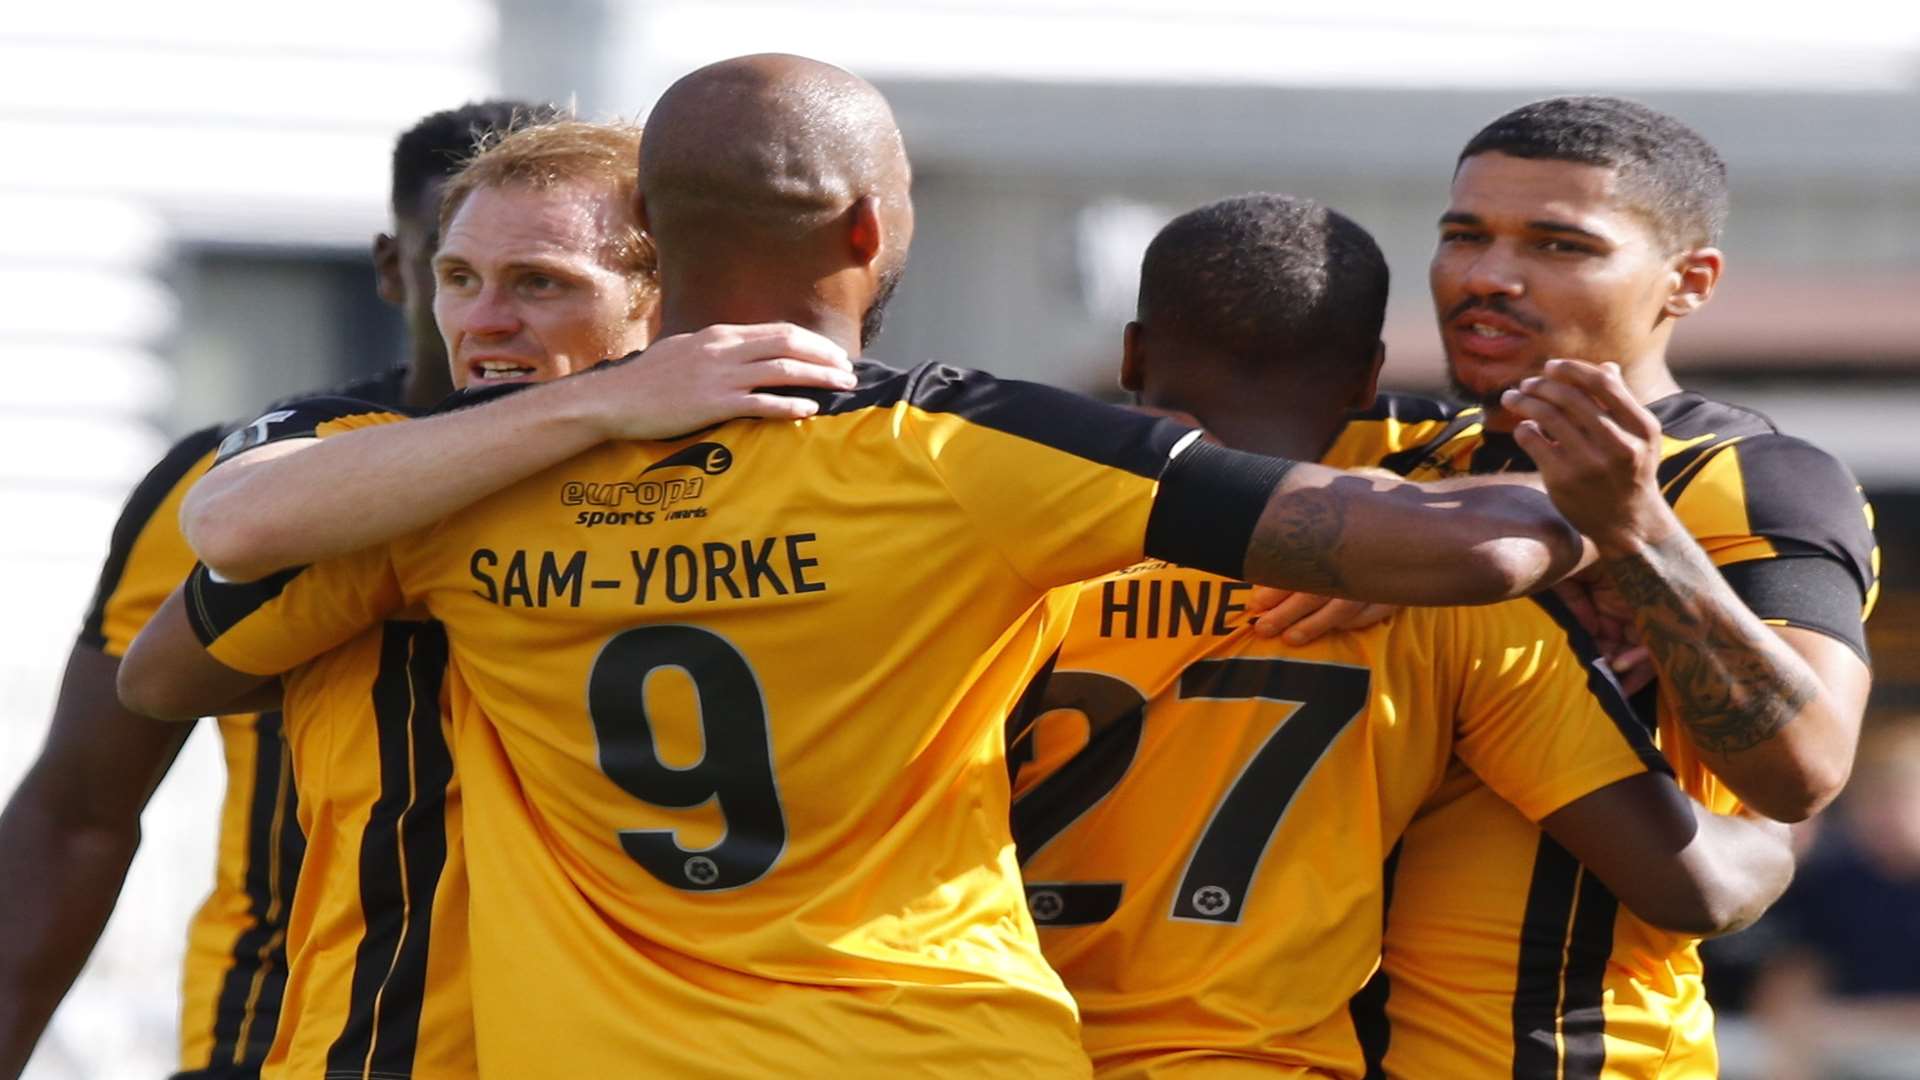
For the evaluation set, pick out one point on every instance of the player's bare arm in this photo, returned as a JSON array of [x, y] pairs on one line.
[[1670, 861], [167, 674], [1340, 534], [295, 501], [67, 836], [1775, 713], [1304, 616]]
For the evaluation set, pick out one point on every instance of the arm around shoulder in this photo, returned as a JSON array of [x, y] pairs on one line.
[[168, 675], [1391, 541]]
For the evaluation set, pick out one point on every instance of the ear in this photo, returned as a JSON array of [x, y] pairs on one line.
[[1370, 389], [386, 270], [1132, 358], [865, 234], [640, 213], [1695, 277]]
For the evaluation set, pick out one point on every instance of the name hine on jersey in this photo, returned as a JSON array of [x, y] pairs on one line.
[[1180, 608]]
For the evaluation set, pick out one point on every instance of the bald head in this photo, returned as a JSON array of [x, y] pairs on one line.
[[776, 186], [770, 143]]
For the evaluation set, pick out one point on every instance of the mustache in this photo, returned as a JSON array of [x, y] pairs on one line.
[[1495, 305]]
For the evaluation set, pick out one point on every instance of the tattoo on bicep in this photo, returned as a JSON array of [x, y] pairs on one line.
[[1732, 691], [1296, 539]]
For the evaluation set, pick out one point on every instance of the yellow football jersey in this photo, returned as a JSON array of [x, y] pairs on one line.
[[735, 728], [377, 938], [1203, 814], [235, 966], [1503, 956], [377, 955]]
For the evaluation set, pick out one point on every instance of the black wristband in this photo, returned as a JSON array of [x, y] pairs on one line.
[[1210, 500]]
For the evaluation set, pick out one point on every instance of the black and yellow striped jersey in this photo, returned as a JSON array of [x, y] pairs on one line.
[[1503, 956], [730, 717], [1202, 813], [235, 969], [235, 966], [377, 939]]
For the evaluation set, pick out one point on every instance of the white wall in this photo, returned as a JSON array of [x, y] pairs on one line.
[[135, 131]]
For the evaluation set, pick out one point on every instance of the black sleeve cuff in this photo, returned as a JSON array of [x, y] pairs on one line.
[[215, 607], [1811, 592], [1209, 501]]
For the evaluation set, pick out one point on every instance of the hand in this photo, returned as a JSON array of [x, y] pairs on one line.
[[1597, 450], [688, 381], [1304, 617], [1607, 618]]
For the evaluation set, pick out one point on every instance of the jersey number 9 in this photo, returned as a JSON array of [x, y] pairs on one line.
[[736, 769]]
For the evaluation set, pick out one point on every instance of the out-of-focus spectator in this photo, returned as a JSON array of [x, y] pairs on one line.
[[1841, 996]]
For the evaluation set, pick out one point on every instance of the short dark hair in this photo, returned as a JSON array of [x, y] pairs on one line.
[[437, 146], [1269, 280], [1665, 167]]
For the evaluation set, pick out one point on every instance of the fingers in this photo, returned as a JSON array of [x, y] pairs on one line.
[[1564, 411], [1579, 600], [775, 407], [1544, 451], [1604, 384], [787, 371], [1265, 598], [1337, 615], [1633, 669], [1545, 416], [748, 343], [752, 343], [1286, 613]]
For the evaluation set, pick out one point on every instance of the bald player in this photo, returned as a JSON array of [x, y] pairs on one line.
[[729, 706]]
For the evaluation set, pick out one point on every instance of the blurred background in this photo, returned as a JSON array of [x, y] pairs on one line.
[[190, 190]]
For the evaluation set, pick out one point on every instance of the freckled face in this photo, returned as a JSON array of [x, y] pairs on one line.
[[524, 290]]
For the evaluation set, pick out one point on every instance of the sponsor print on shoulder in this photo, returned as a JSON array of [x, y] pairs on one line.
[[305, 418], [673, 488], [260, 431]]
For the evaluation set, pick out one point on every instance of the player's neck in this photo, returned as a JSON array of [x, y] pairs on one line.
[[1262, 425], [428, 380], [1274, 435], [692, 301]]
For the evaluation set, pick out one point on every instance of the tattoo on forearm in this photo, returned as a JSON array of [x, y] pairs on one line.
[[1735, 687], [1297, 544]]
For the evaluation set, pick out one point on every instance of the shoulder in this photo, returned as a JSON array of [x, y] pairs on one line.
[[1687, 415], [306, 418], [942, 388], [1720, 452], [183, 463], [929, 387], [387, 388], [179, 462], [1400, 432], [130, 584], [1033, 414], [1408, 409], [1778, 481]]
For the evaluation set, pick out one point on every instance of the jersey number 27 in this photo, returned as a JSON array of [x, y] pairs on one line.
[[1214, 886]]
